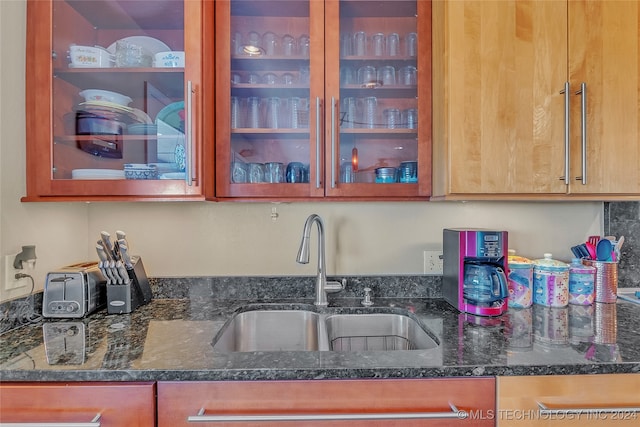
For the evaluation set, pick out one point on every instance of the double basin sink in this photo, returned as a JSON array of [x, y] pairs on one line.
[[303, 328]]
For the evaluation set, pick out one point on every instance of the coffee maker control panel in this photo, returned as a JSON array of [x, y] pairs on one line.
[[489, 244]]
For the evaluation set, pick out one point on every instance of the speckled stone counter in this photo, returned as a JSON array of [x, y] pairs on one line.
[[171, 339]]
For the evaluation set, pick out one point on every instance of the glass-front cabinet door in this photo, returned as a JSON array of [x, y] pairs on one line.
[[113, 99], [323, 99]]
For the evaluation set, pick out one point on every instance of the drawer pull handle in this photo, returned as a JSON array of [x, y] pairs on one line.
[[455, 413], [545, 411], [95, 422]]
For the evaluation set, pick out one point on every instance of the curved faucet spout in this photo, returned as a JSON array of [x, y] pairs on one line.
[[303, 258]]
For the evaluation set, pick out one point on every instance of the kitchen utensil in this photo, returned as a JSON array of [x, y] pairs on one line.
[[122, 271], [604, 250], [593, 240], [606, 283], [108, 246], [102, 254], [591, 250], [124, 252]]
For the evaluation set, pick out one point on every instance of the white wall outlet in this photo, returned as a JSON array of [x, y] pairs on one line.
[[433, 262], [10, 281]]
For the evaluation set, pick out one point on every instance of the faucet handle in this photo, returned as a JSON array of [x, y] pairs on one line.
[[367, 298]]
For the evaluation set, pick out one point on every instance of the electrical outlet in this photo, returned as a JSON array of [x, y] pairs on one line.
[[10, 281], [433, 262]]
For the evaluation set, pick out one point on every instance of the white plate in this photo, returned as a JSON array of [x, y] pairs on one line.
[[97, 174], [150, 44]]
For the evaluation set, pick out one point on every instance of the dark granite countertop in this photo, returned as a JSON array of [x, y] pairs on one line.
[[171, 339]]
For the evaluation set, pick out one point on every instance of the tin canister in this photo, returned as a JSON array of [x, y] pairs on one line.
[[550, 282], [606, 282], [581, 283], [520, 282]]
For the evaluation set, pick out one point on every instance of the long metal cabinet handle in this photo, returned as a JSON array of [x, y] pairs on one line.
[[545, 411], [95, 422], [318, 140], [333, 142], [566, 93], [583, 124], [189, 131], [455, 413]]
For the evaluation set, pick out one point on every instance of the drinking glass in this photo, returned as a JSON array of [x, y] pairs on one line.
[[289, 47], [377, 44], [273, 113], [235, 113], [370, 111], [411, 45], [408, 75], [294, 110], [253, 45], [274, 172], [393, 44], [253, 112], [346, 44], [295, 172], [270, 43], [287, 79], [360, 43], [392, 118], [256, 172], [236, 43], [348, 113], [239, 172], [269, 79], [367, 75], [387, 75], [253, 78], [304, 45], [347, 75], [410, 118]]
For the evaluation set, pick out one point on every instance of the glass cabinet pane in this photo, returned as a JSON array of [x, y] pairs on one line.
[[378, 111], [118, 90], [269, 107]]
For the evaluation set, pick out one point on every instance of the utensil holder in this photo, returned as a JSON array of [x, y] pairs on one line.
[[122, 299], [606, 283]]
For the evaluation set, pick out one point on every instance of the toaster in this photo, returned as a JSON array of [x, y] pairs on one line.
[[74, 291]]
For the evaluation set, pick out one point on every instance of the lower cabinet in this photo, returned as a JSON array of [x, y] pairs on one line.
[[384, 402], [563, 400], [99, 404]]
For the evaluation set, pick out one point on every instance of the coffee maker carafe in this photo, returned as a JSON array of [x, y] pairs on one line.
[[475, 266]]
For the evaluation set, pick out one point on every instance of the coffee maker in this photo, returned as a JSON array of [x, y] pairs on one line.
[[475, 270]]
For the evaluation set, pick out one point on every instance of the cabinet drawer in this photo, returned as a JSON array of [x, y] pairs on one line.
[[327, 402], [577, 400], [118, 404]]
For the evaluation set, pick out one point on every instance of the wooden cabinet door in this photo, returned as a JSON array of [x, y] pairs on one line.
[[79, 148], [604, 53], [328, 402], [576, 400], [117, 404], [498, 70]]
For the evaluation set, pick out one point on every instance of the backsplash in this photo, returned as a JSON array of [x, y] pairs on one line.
[[623, 219]]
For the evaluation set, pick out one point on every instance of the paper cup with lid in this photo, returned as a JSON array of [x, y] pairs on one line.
[[520, 282], [550, 282]]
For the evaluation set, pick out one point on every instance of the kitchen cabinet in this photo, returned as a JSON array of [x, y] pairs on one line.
[[504, 125], [563, 400], [89, 403], [313, 96], [92, 146], [388, 402]]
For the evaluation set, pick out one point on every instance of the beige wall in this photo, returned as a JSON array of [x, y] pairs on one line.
[[194, 239]]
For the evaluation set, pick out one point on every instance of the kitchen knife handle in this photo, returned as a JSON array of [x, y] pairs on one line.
[[124, 252], [583, 126], [566, 93], [103, 270], [108, 246], [122, 271], [102, 255]]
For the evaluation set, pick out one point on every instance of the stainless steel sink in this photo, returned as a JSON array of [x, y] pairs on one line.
[[376, 332], [269, 330], [281, 329]]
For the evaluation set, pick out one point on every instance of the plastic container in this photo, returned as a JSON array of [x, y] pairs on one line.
[[550, 282], [606, 282], [581, 283], [520, 282]]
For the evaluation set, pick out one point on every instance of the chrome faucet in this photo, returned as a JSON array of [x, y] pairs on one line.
[[322, 286]]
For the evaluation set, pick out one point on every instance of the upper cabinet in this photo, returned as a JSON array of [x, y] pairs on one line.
[[114, 99], [536, 99], [322, 99]]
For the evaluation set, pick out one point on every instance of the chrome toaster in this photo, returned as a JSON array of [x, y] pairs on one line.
[[74, 291]]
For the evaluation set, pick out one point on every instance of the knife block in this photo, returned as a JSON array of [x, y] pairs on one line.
[[122, 299]]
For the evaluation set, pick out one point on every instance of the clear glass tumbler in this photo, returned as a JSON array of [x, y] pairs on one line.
[[370, 112], [253, 112]]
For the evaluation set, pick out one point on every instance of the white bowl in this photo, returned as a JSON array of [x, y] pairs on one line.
[[105, 95], [169, 59], [90, 57]]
